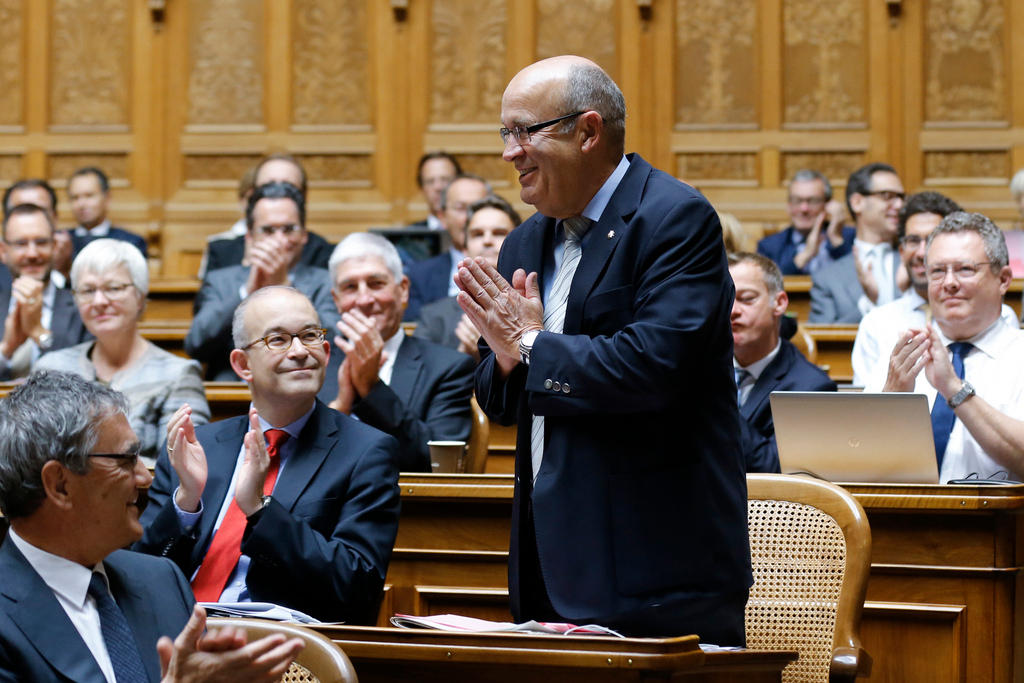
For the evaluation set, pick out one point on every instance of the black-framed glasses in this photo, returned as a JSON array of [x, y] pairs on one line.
[[310, 337], [962, 271], [913, 241], [285, 230], [522, 133], [39, 243], [127, 460], [886, 195]]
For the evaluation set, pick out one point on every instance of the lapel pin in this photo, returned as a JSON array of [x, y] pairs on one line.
[[611, 234]]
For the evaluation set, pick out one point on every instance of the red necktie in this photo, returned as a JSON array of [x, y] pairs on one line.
[[226, 547]]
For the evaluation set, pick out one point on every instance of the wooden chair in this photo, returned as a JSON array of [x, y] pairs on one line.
[[476, 449], [321, 661], [810, 548], [805, 343]]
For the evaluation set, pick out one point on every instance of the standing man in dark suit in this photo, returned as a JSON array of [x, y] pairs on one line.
[[307, 521], [89, 192], [274, 168], [432, 279], [40, 316], [763, 361], [75, 607], [276, 215], [611, 348], [817, 235], [412, 389]]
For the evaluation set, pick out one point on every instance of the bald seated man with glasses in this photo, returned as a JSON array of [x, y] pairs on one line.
[[968, 360], [276, 219], [294, 503], [41, 315]]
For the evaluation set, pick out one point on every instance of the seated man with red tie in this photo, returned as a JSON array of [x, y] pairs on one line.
[[968, 361], [305, 516]]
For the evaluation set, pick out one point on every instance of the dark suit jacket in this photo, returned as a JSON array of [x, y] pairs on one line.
[[229, 252], [39, 643], [835, 291], [438, 321], [115, 233], [781, 249], [65, 324], [209, 338], [323, 543], [428, 281], [788, 371], [641, 496], [428, 399]]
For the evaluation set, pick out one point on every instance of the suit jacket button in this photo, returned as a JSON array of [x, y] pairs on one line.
[[556, 386], [547, 384], [565, 388]]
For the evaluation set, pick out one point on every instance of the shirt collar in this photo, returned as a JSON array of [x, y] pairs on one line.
[[599, 201], [293, 429], [757, 367], [865, 248], [69, 579], [100, 230], [990, 341]]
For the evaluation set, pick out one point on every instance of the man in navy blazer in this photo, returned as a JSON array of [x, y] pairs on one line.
[[412, 389], [276, 215], [763, 361], [89, 194], [37, 311], [431, 279], [816, 236], [72, 487], [630, 501], [318, 536]]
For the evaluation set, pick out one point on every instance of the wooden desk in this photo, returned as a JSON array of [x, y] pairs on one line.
[[171, 299], [835, 349], [945, 597], [390, 654]]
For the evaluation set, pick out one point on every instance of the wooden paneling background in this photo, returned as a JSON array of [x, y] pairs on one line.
[[176, 98]]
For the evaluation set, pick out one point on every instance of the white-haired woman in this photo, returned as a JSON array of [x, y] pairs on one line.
[[110, 281]]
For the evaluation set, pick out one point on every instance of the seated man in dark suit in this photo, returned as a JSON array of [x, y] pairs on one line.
[[39, 315], [817, 235], [89, 192], [307, 521], [432, 279], [38, 192], [763, 362], [276, 216], [275, 168], [435, 171], [75, 606], [488, 221], [415, 390]]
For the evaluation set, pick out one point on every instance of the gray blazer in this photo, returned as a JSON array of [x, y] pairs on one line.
[[835, 291], [438, 321], [209, 338]]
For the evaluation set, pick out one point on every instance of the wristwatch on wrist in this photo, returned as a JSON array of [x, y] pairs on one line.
[[966, 391], [45, 340], [526, 345]]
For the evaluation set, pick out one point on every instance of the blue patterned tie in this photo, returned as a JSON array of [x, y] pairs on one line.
[[741, 377], [121, 645], [942, 415]]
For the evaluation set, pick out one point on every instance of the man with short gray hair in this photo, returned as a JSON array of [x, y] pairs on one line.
[[413, 389], [968, 361], [76, 607]]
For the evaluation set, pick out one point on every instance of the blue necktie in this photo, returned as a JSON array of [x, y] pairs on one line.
[[741, 377], [121, 645], [942, 415]]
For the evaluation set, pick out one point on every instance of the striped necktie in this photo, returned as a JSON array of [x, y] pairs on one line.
[[554, 313]]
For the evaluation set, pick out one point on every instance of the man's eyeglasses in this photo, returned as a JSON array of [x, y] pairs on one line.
[[310, 337], [127, 461], [913, 241], [886, 195], [809, 201], [280, 229], [113, 291], [962, 271], [522, 133], [39, 243]]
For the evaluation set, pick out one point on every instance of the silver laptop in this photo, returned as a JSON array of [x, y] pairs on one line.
[[849, 437]]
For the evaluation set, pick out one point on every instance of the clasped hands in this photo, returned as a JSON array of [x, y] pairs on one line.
[[189, 462], [363, 346], [918, 350], [502, 312], [269, 261], [25, 319]]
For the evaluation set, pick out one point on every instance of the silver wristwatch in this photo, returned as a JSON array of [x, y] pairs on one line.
[[526, 345], [966, 391], [45, 341]]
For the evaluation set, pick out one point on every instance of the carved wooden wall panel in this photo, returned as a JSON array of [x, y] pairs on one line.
[[835, 165], [467, 60], [11, 76], [585, 28], [967, 166], [60, 166], [90, 62], [493, 168], [226, 44], [330, 67], [966, 72], [728, 168], [824, 62], [10, 168], [217, 170], [338, 170], [716, 57]]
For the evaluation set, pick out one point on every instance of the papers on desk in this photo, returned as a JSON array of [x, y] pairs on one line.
[[455, 622], [258, 610]]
